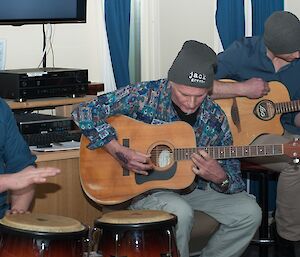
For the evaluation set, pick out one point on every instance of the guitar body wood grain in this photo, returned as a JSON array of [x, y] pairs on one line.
[[250, 126]]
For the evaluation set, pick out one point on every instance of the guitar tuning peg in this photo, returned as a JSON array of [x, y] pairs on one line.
[[296, 160]]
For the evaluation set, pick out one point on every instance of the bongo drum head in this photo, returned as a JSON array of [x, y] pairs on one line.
[[136, 218], [38, 224], [42, 223]]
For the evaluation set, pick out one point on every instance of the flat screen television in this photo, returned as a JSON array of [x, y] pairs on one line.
[[20, 12]]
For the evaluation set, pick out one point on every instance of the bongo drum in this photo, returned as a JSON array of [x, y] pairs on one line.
[[136, 233], [41, 235]]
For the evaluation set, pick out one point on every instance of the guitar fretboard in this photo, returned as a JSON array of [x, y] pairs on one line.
[[284, 107], [230, 152]]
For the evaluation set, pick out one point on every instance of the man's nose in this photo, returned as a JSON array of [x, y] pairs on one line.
[[192, 101]]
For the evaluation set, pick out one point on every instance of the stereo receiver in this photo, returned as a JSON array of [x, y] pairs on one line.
[[42, 130], [22, 84]]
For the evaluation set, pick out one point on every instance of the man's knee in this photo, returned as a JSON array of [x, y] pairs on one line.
[[252, 213], [185, 216]]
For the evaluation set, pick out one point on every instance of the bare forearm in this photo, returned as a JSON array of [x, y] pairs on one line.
[[113, 147], [21, 199], [227, 89], [252, 88], [3, 183]]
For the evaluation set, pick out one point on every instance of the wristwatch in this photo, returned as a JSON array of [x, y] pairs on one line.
[[224, 183]]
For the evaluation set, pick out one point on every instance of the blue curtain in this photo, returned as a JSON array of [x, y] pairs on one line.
[[261, 10], [117, 19], [230, 20]]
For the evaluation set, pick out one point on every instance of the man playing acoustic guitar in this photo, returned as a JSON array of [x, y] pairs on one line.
[[183, 96], [253, 62]]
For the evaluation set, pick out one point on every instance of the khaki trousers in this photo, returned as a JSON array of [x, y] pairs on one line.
[[238, 214], [288, 189]]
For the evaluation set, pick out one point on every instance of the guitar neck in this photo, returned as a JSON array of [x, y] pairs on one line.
[[284, 107], [231, 152]]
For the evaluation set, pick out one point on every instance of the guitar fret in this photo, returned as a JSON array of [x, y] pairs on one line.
[[187, 154], [278, 108], [260, 151], [232, 151], [293, 106], [227, 152], [216, 153], [181, 154], [270, 150], [296, 104], [246, 151], [286, 107], [222, 152], [239, 151]]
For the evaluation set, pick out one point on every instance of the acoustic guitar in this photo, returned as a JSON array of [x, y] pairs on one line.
[[249, 118], [170, 146]]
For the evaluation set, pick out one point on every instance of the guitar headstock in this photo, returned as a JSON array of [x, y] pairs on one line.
[[292, 149]]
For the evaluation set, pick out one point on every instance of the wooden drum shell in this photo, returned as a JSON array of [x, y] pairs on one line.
[[41, 242], [136, 238]]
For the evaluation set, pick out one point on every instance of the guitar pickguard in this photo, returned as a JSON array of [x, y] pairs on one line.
[[156, 175]]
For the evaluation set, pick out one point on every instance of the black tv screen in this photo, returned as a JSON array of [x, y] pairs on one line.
[[19, 12]]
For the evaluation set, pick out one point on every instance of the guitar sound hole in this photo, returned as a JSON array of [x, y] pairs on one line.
[[161, 156], [265, 110]]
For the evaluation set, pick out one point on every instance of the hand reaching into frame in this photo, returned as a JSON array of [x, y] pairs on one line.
[[28, 176]]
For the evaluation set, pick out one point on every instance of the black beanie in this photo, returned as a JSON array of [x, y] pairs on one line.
[[194, 65], [282, 33]]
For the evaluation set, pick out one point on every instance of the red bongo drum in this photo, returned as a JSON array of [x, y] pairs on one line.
[[41, 235], [136, 233]]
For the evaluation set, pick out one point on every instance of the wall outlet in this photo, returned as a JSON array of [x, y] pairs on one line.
[[2, 53]]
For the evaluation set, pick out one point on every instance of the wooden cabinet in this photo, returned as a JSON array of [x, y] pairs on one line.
[[61, 195], [62, 105]]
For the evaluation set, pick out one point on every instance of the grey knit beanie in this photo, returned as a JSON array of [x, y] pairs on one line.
[[194, 65], [282, 33]]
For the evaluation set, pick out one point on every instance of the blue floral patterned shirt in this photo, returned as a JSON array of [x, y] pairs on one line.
[[151, 103]]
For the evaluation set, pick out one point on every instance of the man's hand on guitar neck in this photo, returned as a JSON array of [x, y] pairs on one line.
[[208, 168], [252, 88], [128, 158]]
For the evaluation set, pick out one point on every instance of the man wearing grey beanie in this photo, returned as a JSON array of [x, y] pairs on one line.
[[253, 62], [219, 188]]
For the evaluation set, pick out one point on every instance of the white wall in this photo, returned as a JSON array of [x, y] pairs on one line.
[[292, 6], [181, 21], [80, 45], [167, 25]]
